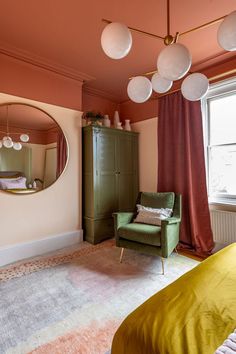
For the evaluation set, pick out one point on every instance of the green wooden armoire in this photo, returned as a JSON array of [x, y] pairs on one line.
[[110, 178]]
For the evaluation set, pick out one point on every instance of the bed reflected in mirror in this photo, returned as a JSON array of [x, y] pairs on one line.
[[33, 149]]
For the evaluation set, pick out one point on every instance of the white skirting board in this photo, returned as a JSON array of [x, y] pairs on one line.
[[21, 251]]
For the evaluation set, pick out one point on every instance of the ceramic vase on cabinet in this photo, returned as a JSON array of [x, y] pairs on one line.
[[127, 125], [116, 119], [119, 125], [106, 121]]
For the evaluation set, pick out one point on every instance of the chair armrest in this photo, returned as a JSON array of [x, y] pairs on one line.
[[169, 235], [169, 221], [122, 219]]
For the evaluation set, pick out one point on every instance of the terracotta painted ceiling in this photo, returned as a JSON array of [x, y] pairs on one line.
[[66, 34]]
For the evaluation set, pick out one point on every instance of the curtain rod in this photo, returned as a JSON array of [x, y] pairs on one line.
[[219, 76]]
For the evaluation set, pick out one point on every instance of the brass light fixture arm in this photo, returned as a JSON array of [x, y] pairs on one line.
[[207, 24], [137, 30], [169, 39]]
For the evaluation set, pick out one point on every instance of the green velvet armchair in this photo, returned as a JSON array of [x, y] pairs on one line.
[[150, 239]]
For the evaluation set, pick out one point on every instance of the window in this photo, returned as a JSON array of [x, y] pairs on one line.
[[219, 118]]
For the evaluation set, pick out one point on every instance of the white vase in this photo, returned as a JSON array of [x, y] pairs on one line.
[[127, 124], [119, 126], [116, 119], [106, 121]]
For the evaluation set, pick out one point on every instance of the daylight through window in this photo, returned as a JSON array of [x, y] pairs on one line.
[[220, 142]]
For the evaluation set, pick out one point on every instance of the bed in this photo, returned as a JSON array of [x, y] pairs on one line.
[[193, 315], [14, 181]]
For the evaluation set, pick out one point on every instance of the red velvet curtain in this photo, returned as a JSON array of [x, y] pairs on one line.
[[181, 167], [61, 153]]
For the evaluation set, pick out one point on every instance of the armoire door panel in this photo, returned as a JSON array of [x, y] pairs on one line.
[[126, 154], [106, 153], [106, 170], [106, 192]]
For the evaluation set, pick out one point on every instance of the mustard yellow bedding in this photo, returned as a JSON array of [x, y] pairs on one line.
[[193, 315]]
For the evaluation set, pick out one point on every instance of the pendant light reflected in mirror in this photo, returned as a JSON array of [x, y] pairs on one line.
[[33, 149]]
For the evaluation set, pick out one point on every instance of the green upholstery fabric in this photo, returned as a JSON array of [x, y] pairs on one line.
[[150, 239], [147, 234], [158, 200]]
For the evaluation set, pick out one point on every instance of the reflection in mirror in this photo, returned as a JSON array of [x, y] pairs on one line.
[[33, 149]]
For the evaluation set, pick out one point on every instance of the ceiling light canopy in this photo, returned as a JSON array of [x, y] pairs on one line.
[[173, 62]]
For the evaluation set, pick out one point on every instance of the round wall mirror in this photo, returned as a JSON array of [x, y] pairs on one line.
[[33, 149]]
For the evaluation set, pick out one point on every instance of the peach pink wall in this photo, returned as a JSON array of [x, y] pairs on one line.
[[26, 80], [57, 209], [147, 154]]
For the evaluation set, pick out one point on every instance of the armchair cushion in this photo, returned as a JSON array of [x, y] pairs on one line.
[[142, 233], [151, 216]]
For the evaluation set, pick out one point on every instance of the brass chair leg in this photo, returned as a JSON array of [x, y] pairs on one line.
[[121, 254], [162, 264]]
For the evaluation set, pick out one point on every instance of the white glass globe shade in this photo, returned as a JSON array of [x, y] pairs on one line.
[[6, 138], [17, 146], [116, 40], [8, 143], [226, 34], [174, 61], [0, 144], [139, 89], [160, 84], [195, 86], [24, 138]]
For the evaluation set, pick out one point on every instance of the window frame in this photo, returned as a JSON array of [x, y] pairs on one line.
[[220, 89]]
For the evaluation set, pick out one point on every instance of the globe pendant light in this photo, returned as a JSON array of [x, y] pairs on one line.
[[195, 87], [160, 84], [116, 40], [24, 138], [139, 89], [17, 146], [7, 142], [174, 61], [226, 34]]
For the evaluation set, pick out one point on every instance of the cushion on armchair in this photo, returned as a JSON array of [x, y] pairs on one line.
[[142, 233], [152, 216]]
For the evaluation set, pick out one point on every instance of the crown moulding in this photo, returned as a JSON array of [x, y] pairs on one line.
[[43, 63], [97, 92], [213, 61]]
